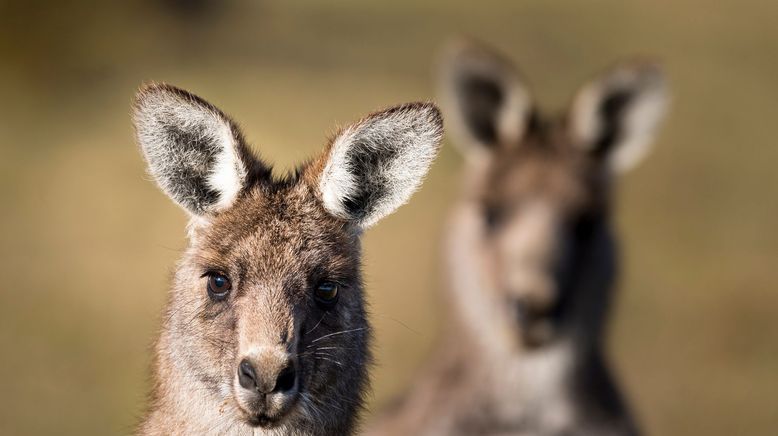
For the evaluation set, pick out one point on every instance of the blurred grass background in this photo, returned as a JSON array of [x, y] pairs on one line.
[[88, 242]]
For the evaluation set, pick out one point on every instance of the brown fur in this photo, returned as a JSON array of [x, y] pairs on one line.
[[279, 242], [531, 265], [276, 242]]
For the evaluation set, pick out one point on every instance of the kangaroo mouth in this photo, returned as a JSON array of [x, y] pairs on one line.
[[267, 419], [537, 326], [270, 411], [264, 421]]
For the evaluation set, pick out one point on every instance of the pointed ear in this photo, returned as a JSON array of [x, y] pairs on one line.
[[616, 116], [195, 153], [484, 97], [373, 166]]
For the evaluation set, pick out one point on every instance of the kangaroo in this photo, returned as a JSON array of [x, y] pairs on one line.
[[531, 256], [265, 331]]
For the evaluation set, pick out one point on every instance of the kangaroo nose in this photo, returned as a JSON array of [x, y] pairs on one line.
[[247, 377], [268, 378]]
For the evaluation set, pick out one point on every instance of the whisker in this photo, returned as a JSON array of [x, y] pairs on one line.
[[330, 360], [330, 404], [406, 326], [336, 333], [324, 354], [317, 324]]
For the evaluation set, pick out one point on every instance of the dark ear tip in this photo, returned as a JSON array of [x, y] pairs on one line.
[[468, 53], [431, 113], [457, 47], [430, 110], [649, 68], [151, 94], [463, 47], [150, 89], [434, 116], [425, 110]]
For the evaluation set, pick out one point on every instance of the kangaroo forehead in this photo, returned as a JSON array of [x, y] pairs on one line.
[[285, 222], [538, 173]]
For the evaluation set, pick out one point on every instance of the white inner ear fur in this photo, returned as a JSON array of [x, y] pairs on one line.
[[639, 123], [228, 176], [640, 127], [514, 112], [337, 182], [411, 136], [158, 110]]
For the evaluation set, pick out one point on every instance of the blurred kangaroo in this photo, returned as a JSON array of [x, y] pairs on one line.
[[531, 257], [265, 329]]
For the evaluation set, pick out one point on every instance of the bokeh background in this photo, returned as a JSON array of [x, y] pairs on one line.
[[87, 243]]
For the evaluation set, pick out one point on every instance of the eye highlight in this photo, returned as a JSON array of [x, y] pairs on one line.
[[219, 286], [326, 294]]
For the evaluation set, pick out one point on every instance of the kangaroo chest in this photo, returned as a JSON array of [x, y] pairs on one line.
[[532, 392]]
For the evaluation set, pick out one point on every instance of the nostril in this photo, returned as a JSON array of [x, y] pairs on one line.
[[286, 379], [521, 312], [247, 377], [527, 312]]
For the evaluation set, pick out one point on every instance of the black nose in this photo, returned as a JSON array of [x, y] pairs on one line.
[[247, 377], [284, 381]]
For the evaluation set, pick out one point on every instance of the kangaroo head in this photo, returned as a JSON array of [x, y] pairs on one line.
[[538, 187], [267, 315]]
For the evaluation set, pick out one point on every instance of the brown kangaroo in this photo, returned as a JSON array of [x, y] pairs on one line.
[[531, 256], [265, 329]]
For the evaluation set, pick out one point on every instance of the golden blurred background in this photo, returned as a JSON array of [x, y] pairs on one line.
[[88, 242]]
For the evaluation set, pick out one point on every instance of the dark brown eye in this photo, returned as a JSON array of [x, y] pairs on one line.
[[218, 286], [326, 294], [492, 216]]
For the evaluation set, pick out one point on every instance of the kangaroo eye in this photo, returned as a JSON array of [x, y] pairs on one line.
[[492, 217], [326, 294], [218, 286]]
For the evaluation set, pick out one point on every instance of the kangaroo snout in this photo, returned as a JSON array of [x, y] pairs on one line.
[[268, 371]]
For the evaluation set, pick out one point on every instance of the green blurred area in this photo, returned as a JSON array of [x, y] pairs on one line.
[[88, 243]]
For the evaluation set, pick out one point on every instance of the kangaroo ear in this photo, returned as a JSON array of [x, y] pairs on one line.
[[373, 166], [195, 153], [485, 98], [616, 116]]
